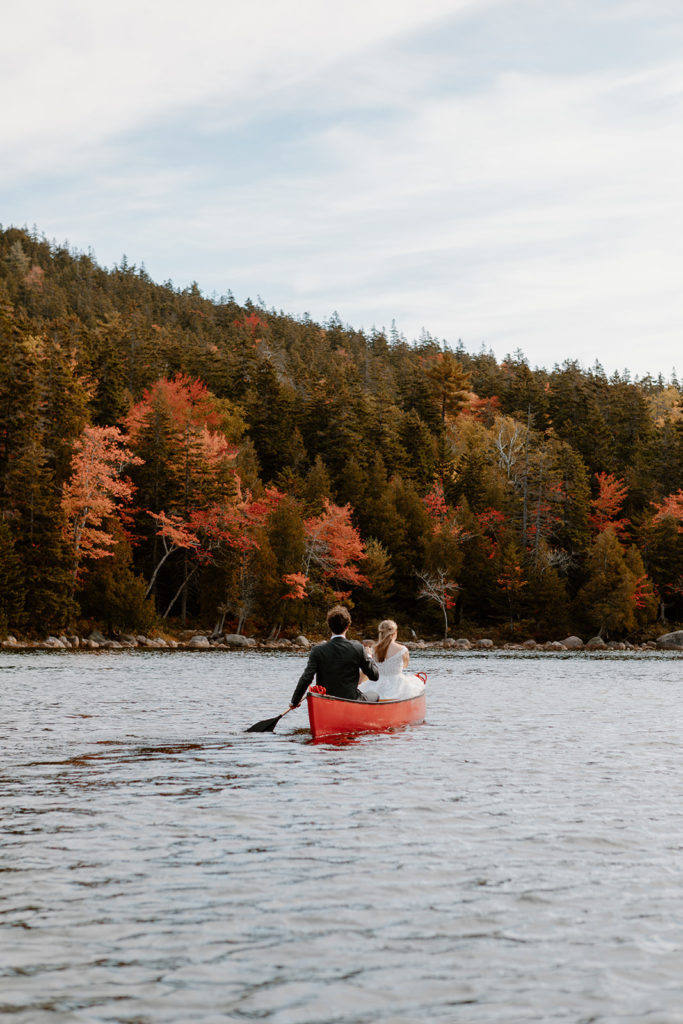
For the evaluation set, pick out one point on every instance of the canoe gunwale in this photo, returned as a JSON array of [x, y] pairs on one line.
[[370, 703]]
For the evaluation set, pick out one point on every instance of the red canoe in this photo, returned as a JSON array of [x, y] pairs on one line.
[[334, 716]]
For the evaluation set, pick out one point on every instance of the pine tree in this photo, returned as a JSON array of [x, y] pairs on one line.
[[419, 445], [661, 542], [12, 586], [374, 601], [644, 598], [606, 599], [448, 382], [287, 541], [403, 527], [547, 601], [512, 581], [270, 409], [317, 486], [113, 595], [30, 495]]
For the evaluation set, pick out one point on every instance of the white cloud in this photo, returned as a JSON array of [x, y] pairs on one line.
[[81, 73], [366, 166]]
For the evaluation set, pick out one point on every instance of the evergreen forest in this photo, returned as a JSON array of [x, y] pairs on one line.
[[169, 460]]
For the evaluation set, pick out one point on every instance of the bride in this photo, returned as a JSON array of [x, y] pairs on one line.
[[392, 658]]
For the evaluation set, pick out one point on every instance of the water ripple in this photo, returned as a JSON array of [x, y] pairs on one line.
[[515, 859]]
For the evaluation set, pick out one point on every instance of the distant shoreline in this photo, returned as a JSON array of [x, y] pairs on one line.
[[237, 643]]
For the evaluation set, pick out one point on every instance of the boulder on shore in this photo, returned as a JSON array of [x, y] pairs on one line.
[[671, 640], [199, 641], [573, 643], [484, 644], [303, 641], [237, 640], [596, 643]]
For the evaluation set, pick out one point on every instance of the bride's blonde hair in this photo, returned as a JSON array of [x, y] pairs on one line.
[[386, 632]]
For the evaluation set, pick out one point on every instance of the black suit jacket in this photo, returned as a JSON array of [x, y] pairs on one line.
[[336, 665]]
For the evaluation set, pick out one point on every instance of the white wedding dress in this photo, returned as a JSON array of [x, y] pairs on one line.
[[393, 684]]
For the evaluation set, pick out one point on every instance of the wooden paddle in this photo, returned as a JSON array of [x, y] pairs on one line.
[[268, 724]]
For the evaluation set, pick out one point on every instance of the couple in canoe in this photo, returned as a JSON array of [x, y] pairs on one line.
[[346, 669]]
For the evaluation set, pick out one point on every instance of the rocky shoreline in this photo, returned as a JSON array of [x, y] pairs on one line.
[[194, 641]]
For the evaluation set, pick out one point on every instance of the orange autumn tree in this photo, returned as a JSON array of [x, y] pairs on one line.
[[436, 505], [671, 507], [295, 582], [174, 535], [187, 438], [240, 547], [607, 506], [332, 553], [96, 491]]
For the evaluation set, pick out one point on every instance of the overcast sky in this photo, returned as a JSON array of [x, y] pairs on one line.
[[505, 172]]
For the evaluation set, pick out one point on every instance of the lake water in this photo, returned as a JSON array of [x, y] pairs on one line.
[[516, 858]]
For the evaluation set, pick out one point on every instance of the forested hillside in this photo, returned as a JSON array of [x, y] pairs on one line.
[[169, 457]]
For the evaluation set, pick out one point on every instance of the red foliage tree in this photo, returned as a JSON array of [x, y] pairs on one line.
[[96, 491], [643, 592], [608, 505], [179, 426], [436, 505], [484, 410], [334, 546], [188, 400], [671, 507], [296, 586], [492, 524], [196, 452]]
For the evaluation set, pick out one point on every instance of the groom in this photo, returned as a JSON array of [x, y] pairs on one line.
[[337, 664]]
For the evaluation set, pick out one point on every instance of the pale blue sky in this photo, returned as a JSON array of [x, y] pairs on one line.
[[505, 172]]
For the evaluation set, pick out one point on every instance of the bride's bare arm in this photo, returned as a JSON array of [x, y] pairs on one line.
[[406, 657]]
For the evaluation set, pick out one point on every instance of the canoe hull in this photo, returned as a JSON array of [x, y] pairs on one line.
[[333, 716]]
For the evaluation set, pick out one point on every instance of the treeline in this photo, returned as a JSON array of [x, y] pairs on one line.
[[165, 456]]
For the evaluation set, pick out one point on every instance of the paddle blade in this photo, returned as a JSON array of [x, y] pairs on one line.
[[267, 725]]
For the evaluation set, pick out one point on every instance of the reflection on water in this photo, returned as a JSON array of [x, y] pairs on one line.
[[516, 858]]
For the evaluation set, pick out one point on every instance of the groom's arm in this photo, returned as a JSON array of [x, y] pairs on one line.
[[369, 666], [306, 679]]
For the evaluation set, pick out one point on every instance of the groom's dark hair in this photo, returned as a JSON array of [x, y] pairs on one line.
[[338, 619]]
